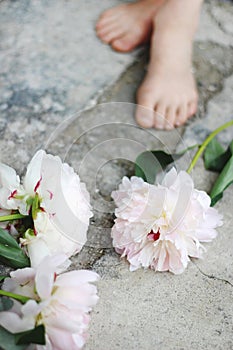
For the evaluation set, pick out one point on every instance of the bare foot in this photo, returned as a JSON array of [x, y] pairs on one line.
[[127, 26], [168, 90], [169, 93]]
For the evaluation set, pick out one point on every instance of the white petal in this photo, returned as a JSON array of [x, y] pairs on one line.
[[34, 172], [52, 239], [23, 275], [37, 250], [14, 323], [75, 278], [64, 197], [184, 185], [8, 177], [169, 178], [45, 274], [9, 182], [61, 340], [44, 280], [175, 264], [31, 308]]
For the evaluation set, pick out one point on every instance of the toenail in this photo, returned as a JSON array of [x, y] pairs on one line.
[[159, 126], [145, 121]]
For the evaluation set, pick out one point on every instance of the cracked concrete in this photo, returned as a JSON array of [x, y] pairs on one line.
[[51, 67], [159, 311]]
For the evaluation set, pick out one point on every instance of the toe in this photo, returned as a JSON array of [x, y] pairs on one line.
[[144, 116], [160, 115], [107, 17], [182, 114], [107, 35], [170, 118], [107, 28], [145, 109], [192, 108], [126, 43]]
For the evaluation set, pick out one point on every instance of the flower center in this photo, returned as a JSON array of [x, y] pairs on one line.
[[152, 236]]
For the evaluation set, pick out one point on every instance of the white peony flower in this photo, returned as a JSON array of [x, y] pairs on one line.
[[58, 202], [61, 303], [161, 226], [9, 185]]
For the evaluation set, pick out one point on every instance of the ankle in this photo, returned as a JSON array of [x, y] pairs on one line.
[[171, 50], [178, 15]]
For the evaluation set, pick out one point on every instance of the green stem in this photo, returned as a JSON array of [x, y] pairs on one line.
[[206, 142], [11, 217], [19, 297]]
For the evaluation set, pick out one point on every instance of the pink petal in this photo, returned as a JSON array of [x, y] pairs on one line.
[[61, 340]]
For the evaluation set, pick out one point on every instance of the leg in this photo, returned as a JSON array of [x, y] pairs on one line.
[[128, 25], [169, 88]]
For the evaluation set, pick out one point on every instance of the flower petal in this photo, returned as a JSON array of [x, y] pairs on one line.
[[14, 323], [34, 173], [45, 273], [9, 183]]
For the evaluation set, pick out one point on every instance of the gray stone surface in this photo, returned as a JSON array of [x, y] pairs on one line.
[[51, 67], [147, 310]]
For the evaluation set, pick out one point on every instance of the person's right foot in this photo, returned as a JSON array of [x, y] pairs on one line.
[[126, 26], [169, 91]]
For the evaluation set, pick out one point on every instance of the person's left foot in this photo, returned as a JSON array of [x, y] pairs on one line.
[[126, 26]]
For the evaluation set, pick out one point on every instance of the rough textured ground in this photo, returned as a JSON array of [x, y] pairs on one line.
[[51, 67]]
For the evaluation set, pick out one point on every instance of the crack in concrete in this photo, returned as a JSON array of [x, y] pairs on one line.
[[212, 276], [218, 23], [104, 251]]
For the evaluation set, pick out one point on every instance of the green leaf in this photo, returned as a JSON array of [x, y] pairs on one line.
[[5, 304], [13, 257], [149, 163], [10, 252], [215, 157], [2, 278], [7, 239], [35, 336], [224, 180], [7, 341], [22, 298]]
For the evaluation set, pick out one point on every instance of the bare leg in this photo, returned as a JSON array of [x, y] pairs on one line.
[[126, 26], [168, 89]]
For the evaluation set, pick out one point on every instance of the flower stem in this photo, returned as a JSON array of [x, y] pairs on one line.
[[11, 217], [19, 297], [205, 143]]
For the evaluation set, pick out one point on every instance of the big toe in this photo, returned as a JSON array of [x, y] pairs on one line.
[[125, 44], [144, 114]]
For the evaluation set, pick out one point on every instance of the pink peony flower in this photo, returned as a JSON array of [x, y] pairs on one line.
[[58, 201], [61, 303], [161, 226]]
